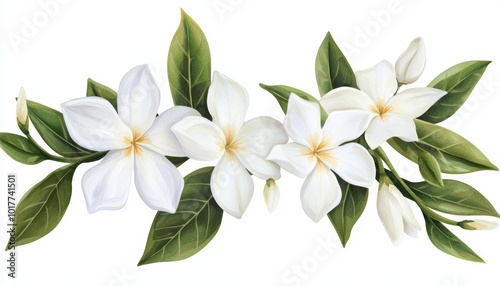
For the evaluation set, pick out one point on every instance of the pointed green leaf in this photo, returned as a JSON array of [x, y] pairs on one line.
[[429, 168], [21, 149], [454, 153], [41, 209], [332, 68], [96, 89], [458, 81], [177, 161], [189, 66], [449, 243], [346, 214], [178, 236], [50, 125], [282, 94]]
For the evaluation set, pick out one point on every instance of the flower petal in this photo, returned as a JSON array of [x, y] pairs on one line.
[[157, 181], [346, 98], [411, 62], [199, 138], [352, 163], [393, 125], [293, 157], [390, 214], [415, 101], [160, 138], [344, 126], [138, 99], [302, 121], [93, 123], [411, 225], [320, 192], [106, 185], [379, 81], [232, 186], [228, 103]]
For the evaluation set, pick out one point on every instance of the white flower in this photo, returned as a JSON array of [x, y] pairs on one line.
[[238, 145], [392, 116], [411, 62], [395, 213], [317, 151], [138, 141], [271, 195], [481, 224], [22, 108]]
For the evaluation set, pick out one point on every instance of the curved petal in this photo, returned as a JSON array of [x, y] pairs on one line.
[[411, 62], [346, 98], [379, 81], [393, 125], [106, 185], [138, 99], [232, 186], [259, 166], [93, 123], [228, 103], [344, 126], [160, 138], [302, 121], [411, 225], [390, 214], [200, 138], [295, 158], [260, 134], [157, 181], [320, 192], [352, 163], [415, 101]]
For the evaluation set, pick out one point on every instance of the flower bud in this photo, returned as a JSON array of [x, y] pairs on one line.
[[22, 111], [478, 224], [411, 62], [271, 195]]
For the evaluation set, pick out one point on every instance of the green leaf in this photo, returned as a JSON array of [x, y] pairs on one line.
[[189, 66], [282, 94], [332, 68], [177, 161], [346, 214], [429, 168], [458, 81], [41, 209], [453, 152], [50, 125], [21, 149], [178, 236], [96, 89], [449, 243]]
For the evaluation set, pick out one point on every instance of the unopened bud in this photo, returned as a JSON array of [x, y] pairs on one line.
[[22, 111], [271, 195], [478, 224], [411, 62]]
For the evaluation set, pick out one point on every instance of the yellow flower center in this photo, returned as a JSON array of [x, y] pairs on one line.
[[319, 149], [381, 109], [134, 142]]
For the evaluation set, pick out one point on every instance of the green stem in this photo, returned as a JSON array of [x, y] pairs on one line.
[[425, 209]]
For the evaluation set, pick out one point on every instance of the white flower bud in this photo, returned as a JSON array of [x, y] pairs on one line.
[[22, 111], [481, 224], [271, 195], [411, 62]]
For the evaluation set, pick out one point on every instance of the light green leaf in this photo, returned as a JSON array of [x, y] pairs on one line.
[[178, 236], [458, 81], [454, 153], [346, 214], [189, 66], [21, 149], [96, 89], [449, 243], [41, 209], [429, 168], [50, 125], [332, 68]]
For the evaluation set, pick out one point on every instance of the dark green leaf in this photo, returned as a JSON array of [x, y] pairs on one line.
[[21, 149], [332, 68], [453, 152], [96, 89], [282, 93], [177, 161], [50, 125], [429, 168], [189, 66], [458, 81], [449, 243], [41, 209], [346, 214], [178, 236]]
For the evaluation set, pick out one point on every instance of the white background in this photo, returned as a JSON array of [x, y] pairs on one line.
[[252, 42]]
